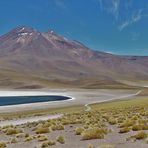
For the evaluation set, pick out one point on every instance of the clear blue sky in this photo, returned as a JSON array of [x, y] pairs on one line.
[[116, 26]]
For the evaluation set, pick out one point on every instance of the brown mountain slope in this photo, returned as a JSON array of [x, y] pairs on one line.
[[31, 58]]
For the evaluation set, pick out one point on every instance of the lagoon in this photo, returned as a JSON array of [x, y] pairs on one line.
[[16, 100]]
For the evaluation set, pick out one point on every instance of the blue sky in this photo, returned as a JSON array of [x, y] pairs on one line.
[[116, 26]]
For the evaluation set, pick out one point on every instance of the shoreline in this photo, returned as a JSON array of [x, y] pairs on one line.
[[88, 108], [78, 97], [55, 116]]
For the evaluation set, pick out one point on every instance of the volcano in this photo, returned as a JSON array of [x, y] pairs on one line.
[[33, 59]]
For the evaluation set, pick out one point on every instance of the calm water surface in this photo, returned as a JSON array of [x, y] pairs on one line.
[[15, 100]]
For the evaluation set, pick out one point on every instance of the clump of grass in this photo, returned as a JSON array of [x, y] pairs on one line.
[[60, 139], [127, 123], [79, 130], [42, 138], [27, 135], [47, 124], [137, 127], [47, 144], [42, 130], [112, 121], [120, 120], [95, 133], [135, 118], [8, 126], [29, 138], [145, 127], [13, 140], [51, 142], [3, 144], [124, 130], [57, 127], [91, 146], [140, 135], [20, 135], [12, 131]]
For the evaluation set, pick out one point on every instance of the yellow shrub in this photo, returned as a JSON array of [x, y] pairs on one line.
[[96, 133], [48, 143], [124, 130], [12, 131], [42, 130], [2, 145], [141, 135], [79, 130], [42, 137], [61, 139]]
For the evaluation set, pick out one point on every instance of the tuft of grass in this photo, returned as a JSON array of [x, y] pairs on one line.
[[44, 145], [140, 135], [2, 144], [60, 139], [51, 142], [91, 146], [124, 130], [47, 144], [137, 127], [112, 121], [57, 127], [29, 138], [26, 135], [20, 135], [145, 127], [13, 140], [79, 130], [42, 130], [12, 131], [42, 138], [127, 123], [95, 133]]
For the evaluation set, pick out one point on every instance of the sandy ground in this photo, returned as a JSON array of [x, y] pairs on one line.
[[29, 119], [104, 94], [75, 141], [83, 97], [79, 97]]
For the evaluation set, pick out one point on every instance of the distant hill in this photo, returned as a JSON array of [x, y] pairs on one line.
[[33, 59]]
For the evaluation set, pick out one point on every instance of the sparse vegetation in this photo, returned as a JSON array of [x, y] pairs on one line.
[[42, 138], [124, 130], [47, 144], [61, 139], [20, 135], [13, 140], [79, 130], [137, 127], [95, 124], [112, 121], [12, 130], [2, 144], [95, 133], [90, 146], [29, 138], [140, 135], [42, 130]]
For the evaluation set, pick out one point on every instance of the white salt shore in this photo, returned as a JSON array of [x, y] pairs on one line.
[[78, 97]]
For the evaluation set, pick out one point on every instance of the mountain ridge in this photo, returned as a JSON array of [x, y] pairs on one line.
[[27, 54]]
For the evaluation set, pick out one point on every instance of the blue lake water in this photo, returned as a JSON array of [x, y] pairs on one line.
[[15, 100]]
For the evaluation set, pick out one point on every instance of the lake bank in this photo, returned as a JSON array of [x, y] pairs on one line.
[[78, 97]]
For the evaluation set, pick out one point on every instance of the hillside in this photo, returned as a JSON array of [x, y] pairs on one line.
[[33, 59]]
